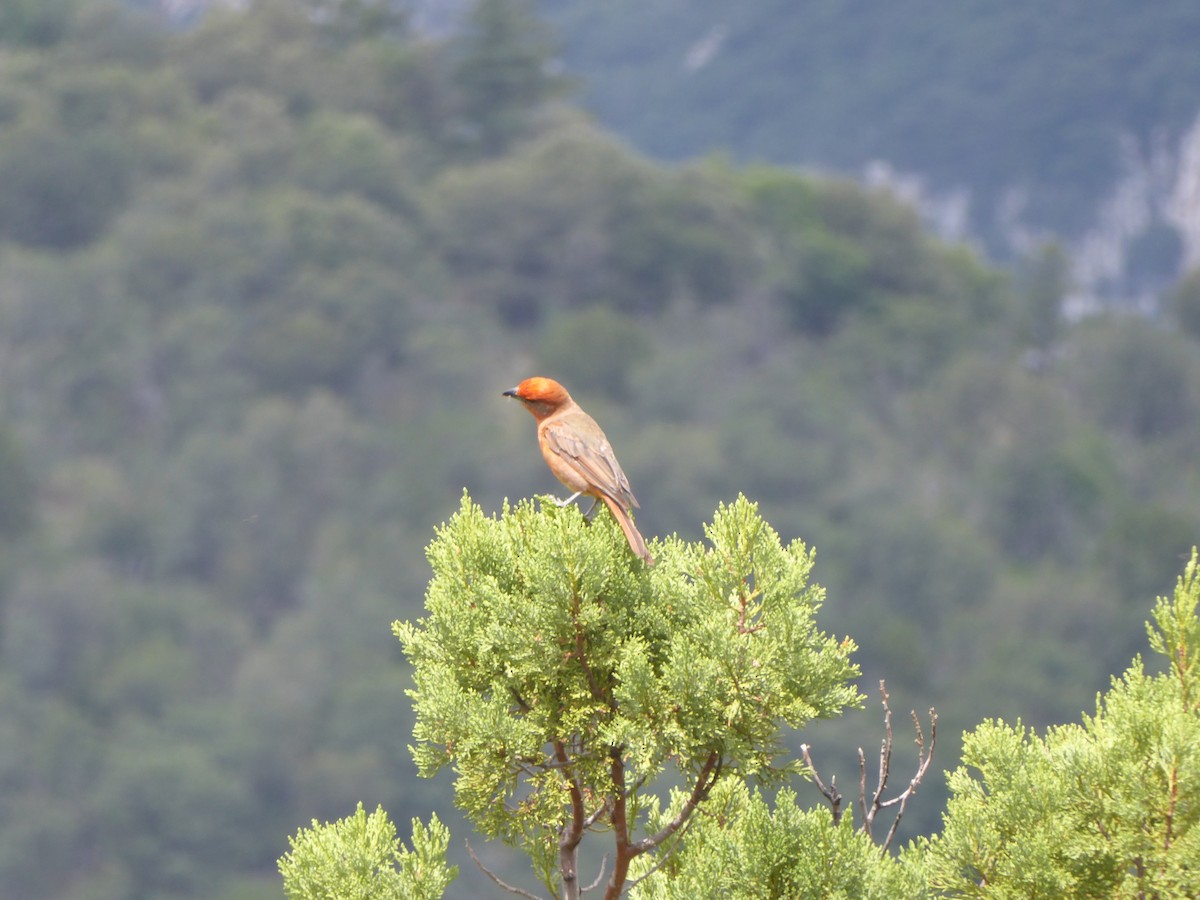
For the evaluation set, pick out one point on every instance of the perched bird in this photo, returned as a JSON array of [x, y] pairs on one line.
[[579, 454]]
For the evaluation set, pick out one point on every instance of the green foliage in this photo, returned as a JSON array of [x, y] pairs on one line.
[[576, 221], [745, 847], [598, 347], [360, 858], [1106, 808], [352, 20], [555, 673], [160, 794], [1183, 302], [17, 488], [508, 224], [66, 187], [35, 22], [1142, 548], [1043, 281], [824, 275], [844, 255], [503, 70], [1175, 634], [1138, 379], [686, 236], [1043, 490], [71, 159]]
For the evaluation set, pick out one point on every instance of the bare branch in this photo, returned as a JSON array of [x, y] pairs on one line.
[[923, 761], [600, 877], [862, 788], [591, 820], [924, 758], [512, 889], [885, 763], [830, 791]]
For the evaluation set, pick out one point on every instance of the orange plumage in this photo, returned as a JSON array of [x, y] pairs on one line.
[[579, 454]]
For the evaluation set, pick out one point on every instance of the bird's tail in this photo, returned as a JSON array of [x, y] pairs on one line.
[[636, 542]]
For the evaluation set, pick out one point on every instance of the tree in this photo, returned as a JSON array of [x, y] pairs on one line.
[[64, 186], [360, 858], [560, 677], [504, 72], [38, 23], [1106, 808], [1043, 280], [1134, 377]]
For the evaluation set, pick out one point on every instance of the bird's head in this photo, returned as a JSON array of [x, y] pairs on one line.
[[541, 396]]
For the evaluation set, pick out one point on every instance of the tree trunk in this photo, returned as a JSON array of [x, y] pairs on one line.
[[568, 863]]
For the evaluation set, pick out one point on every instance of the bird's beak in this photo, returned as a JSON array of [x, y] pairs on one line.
[[511, 392]]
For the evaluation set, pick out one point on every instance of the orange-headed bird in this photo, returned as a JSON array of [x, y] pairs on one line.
[[579, 454]]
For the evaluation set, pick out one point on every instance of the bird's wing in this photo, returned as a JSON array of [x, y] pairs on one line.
[[593, 460]]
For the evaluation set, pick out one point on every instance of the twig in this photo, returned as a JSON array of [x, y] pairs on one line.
[[520, 892], [595, 884], [663, 856], [885, 765], [830, 791], [862, 788], [591, 820], [922, 768], [924, 758], [877, 803]]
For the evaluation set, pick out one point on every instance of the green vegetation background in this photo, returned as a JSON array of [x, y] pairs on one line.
[[261, 284], [1042, 104]]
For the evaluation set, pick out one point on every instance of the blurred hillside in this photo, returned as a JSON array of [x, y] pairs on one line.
[[262, 282], [1009, 122]]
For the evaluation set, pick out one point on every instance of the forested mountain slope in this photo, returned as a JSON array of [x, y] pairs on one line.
[[1076, 119], [261, 285]]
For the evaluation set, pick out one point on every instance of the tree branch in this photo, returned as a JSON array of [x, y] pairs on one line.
[[704, 782], [591, 820], [662, 857], [620, 826], [626, 849], [744, 599], [600, 877], [512, 889], [1174, 795], [885, 765], [830, 792], [922, 768], [572, 832], [924, 758]]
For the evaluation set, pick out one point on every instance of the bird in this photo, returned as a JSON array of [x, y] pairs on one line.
[[579, 454]]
